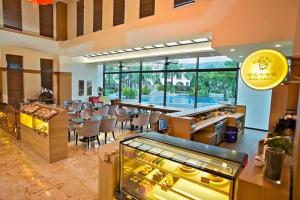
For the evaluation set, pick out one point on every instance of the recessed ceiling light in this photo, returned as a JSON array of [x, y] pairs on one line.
[[149, 47], [277, 45], [120, 51], [159, 45], [186, 42], [138, 48], [128, 50], [170, 44], [105, 53], [201, 40], [241, 56], [113, 52], [232, 50]]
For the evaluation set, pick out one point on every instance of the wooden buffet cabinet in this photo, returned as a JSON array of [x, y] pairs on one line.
[[44, 130], [203, 124]]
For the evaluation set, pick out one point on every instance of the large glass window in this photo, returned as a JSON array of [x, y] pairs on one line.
[[130, 87], [216, 87], [181, 89], [111, 86], [153, 88], [215, 78]]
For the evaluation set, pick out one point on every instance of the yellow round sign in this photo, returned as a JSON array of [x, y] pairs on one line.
[[264, 69]]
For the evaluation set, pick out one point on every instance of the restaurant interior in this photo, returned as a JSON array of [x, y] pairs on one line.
[[149, 99]]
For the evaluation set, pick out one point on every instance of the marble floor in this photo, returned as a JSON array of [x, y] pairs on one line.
[[24, 175]]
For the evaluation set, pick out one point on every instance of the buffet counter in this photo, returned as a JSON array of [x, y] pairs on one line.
[[163, 109], [44, 130]]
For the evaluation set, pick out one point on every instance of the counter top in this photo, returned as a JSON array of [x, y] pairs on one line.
[[151, 107], [251, 181], [205, 123], [191, 112]]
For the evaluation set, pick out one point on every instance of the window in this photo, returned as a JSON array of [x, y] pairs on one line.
[[147, 8], [184, 82], [119, 12], [46, 20], [111, 86], [97, 21], [153, 88], [178, 3], [216, 62], [181, 89], [217, 87], [80, 17], [12, 14], [130, 87]]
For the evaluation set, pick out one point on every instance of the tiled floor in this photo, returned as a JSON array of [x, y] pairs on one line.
[[24, 175]]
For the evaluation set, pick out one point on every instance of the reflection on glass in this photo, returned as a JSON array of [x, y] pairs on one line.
[[216, 87], [130, 87], [181, 89], [154, 65], [112, 86], [216, 62], [130, 66], [112, 67], [153, 88], [182, 64]]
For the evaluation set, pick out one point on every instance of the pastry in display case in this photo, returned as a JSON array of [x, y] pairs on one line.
[[29, 108], [45, 113], [156, 166]]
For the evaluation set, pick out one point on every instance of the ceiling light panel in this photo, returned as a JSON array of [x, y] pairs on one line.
[[159, 45], [149, 47], [199, 40], [170, 44], [138, 48], [186, 42], [129, 50]]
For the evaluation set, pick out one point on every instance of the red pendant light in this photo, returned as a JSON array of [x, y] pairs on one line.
[[41, 2]]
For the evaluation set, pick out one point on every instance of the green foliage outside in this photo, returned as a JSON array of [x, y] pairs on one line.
[[146, 90], [129, 93]]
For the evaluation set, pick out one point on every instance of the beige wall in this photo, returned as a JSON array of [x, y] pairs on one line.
[[297, 35], [230, 24]]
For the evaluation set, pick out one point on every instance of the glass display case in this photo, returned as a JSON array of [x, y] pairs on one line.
[[156, 166]]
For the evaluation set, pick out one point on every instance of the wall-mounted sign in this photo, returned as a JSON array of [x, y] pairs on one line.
[[264, 69]]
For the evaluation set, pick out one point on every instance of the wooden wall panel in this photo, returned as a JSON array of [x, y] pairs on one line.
[[47, 73], [64, 87], [12, 14], [15, 87], [97, 15], [80, 17], [147, 8], [61, 21], [119, 12], [46, 20], [296, 158]]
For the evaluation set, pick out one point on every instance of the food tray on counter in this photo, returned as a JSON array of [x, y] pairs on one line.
[[29, 108]]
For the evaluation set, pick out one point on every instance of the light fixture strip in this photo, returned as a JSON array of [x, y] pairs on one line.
[[156, 46]]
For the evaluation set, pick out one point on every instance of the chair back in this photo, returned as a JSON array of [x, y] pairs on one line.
[[143, 119], [85, 114], [101, 112], [73, 116], [131, 109], [108, 124], [153, 117], [87, 105], [121, 111], [89, 129], [112, 110], [77, 106]]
